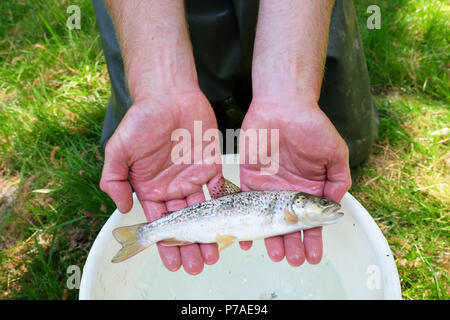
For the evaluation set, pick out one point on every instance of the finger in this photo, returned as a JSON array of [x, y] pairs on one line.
[[244, 186], [114, 180], [294, 249], [245, 245], [176, 204], [209, 251], [192, 259], [312, 240], [153, 210], [275, 248], [170, 256], [195, 198], [338, 178]]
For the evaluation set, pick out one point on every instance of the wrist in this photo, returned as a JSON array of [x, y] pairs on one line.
[[286, 93], [282, 77], [155, 45], [164, 67], [290, 48], [161, 77]]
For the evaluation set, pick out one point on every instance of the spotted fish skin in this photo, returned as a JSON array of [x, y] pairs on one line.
[[224, 187], [239, 216], [245, 216]]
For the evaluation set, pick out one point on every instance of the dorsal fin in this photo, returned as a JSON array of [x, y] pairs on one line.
[[223, 188], [230, 187]]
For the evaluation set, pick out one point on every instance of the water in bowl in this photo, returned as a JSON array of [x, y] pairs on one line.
[[240, 275]]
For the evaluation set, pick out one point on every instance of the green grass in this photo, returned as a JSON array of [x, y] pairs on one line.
[[53, 91], [411, 48], [405, 187]]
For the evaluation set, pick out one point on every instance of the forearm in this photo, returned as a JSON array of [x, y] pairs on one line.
[[155, 45], [290, 48]]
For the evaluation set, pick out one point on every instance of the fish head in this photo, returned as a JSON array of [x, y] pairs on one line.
[[315, 211]]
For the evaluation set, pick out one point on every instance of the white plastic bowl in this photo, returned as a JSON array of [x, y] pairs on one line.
[[357, 264]]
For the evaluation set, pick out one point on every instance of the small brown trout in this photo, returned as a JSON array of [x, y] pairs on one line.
[[242, 215]]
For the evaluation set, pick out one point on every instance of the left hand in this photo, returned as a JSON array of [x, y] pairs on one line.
[[312, 158]]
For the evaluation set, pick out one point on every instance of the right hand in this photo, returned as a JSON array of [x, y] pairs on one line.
[[140, 150]]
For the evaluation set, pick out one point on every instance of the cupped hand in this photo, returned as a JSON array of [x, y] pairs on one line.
[[312, 158], [141, 151]]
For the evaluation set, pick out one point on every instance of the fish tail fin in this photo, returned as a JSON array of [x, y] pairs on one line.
[[127, 237]]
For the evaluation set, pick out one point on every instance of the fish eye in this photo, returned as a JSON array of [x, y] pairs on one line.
[[323, 202]]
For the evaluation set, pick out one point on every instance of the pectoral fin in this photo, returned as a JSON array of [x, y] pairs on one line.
[[173, 242], [290, 217], [224, 241]]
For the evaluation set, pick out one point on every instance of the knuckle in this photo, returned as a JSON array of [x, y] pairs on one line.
[[104, 185], [108, 150], [349, 183], [344, 152]]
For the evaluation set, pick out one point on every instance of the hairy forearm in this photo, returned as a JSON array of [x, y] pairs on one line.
[[290, 47], [155, 45]]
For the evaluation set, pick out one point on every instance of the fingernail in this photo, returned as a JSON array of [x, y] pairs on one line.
[[276, 255], [193, 268]]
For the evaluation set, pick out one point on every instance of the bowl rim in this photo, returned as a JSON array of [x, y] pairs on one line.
[[391, 284]]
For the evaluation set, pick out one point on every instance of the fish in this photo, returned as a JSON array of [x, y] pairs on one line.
[[234, 215]]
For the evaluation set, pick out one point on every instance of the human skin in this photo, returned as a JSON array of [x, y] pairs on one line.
[[162, 80], [289, 54]]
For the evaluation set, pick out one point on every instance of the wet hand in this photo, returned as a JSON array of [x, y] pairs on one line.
[[312, 157], [140, 152]]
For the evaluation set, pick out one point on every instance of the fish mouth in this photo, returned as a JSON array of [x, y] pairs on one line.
[[333, 209], [333, 214]]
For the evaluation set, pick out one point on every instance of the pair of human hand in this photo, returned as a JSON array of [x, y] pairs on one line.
[[312, 157]]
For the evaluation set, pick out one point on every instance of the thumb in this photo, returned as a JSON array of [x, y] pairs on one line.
[[338, 180], [114, 180]]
